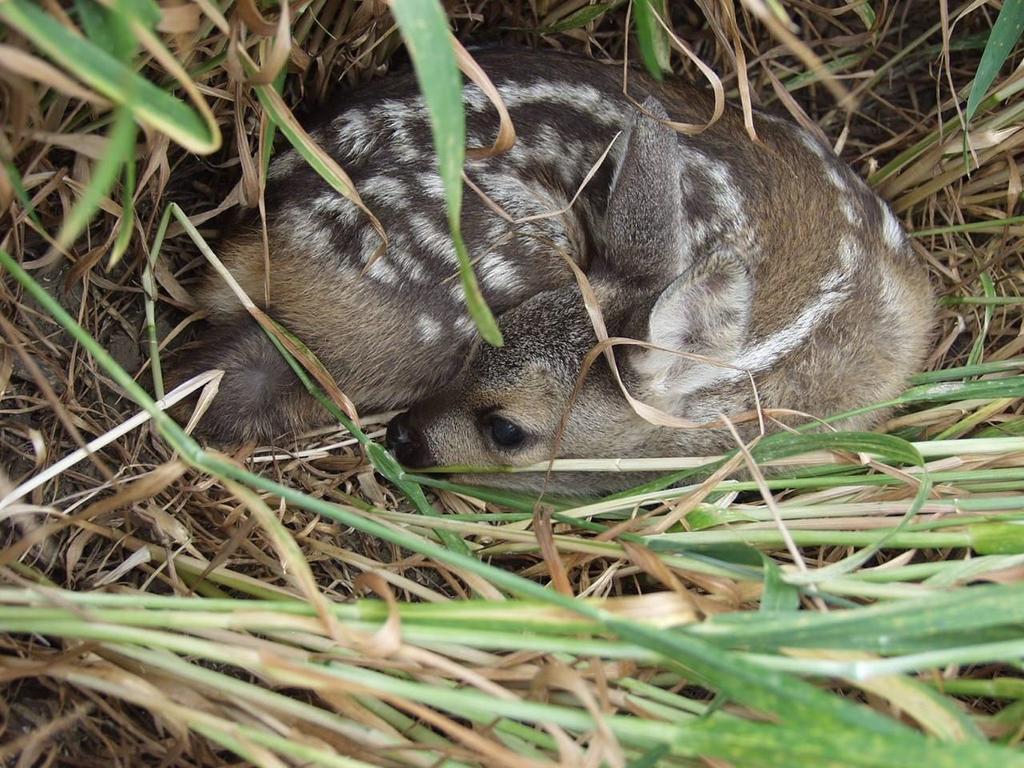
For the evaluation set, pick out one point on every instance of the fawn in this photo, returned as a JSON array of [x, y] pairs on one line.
[[772, 264]]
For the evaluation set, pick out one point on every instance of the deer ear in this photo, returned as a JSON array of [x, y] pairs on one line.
[[705, 311], [644, 220]]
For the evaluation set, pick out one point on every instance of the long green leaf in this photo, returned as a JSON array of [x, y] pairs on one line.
[[579, 18], [120, 147], [874, 628], [96, 22], [150, 105], [778, 596], [14, 177], [962, 372], [978, 349], [974, 613], [1005, 32], [945, 392], [651, 36], [424, 28], [784, 444], [127, 221]]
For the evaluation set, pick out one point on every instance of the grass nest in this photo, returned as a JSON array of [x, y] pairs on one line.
[[164, 604]]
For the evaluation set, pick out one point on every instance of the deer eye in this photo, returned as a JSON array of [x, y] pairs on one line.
[[505, 433]]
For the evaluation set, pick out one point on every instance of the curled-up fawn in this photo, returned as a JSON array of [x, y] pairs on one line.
[[770, 263]]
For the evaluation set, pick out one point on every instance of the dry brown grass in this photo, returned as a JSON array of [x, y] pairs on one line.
[[132, 519]]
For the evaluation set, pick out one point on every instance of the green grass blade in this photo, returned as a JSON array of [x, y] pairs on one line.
[[270, 131], [849, 563], [579, 18], [945, 392], [962, 372], [424, 28], [149, 104], [120, 146], [779, 596], [874, 628], [792, 699], [651, 36], [96, 23], [20, 193], [995, 301], [784, 444], [978, 349], [992, 225], [151, 295], [1005, 33], [757, 745], [127, 222], [108, 27], [146, 11], [866, 13]]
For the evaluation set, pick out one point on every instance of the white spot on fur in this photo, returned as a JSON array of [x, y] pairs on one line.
[[414, 270], [498, 232], [835, 178], [849, 212], [475, 99], [456, 292], [849, 255], [397, 117], [727, 194], [284, 164], [303, 226], [498, 273], [564, 154], [893, 295], [697, 232], [840, 177], [464, 325], [403, 257], [584, 98], [384, 271], [814, 145], [431, 184], [764, 353], [349, 122], [521, 198], [309, 233], [384, 268], [508, 191], [339, 209], [893, 233], [400, 111], [355, 134], [423, 229], [433, 240], [722, 214], [429, 328], [387, 189]]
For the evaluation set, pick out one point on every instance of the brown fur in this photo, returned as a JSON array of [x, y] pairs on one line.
[[867, 302], [737, 248]]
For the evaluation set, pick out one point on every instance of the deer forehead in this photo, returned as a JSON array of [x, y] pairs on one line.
[[522, 386]]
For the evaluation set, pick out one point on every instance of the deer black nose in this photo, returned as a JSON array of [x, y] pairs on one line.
[[407, 443]]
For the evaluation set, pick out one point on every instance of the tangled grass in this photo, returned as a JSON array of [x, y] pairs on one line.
[[311, 604]]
